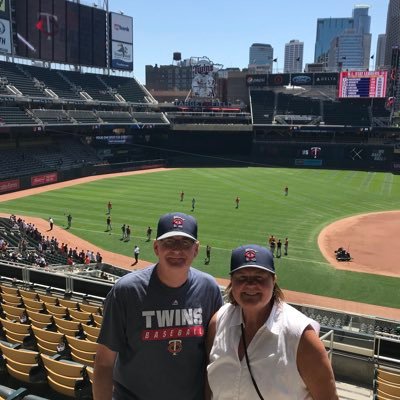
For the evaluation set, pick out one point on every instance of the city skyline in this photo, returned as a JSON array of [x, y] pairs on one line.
[[224, 33]]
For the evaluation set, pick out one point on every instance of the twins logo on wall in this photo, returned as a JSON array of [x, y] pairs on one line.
[[203, 83]]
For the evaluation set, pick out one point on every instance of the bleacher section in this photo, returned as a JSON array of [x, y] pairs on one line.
[[52, 116], [149, 118], [15, 163], [263, 103], [84, 116], [15, 116], [17, 78], [347, 112], [128, 88], [91, 84], [52, 80], [115, 117], [60, 153]]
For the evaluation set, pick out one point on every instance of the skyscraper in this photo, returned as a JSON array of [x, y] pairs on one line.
[[392, 29], [380, 51], [345, 43], [261, 58], [293, 56], [327, 30]]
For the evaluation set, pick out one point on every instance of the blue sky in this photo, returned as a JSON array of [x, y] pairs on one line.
[[224, 30]]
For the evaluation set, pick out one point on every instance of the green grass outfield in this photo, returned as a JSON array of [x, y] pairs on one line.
[[316, 198]]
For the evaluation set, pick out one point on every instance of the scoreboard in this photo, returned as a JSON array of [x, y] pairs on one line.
[[364, 84]]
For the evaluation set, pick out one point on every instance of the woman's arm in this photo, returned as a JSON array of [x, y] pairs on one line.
[[209, 343], [315, 368]]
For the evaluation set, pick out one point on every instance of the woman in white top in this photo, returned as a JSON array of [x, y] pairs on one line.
[[259, 346]]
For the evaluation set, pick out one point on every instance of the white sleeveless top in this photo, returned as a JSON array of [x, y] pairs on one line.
[[272, 355]]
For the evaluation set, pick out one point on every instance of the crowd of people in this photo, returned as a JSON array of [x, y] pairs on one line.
[[45, 246]]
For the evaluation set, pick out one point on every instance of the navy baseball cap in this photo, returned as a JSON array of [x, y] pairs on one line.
[[176, 224], [254, 256]]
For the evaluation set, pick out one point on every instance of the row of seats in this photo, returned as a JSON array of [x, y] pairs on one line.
[[46, 339], [31, 81], [386, 384], [66, 377]]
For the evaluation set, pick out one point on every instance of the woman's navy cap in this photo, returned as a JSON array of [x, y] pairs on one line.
[[176, 224], [254, 256]]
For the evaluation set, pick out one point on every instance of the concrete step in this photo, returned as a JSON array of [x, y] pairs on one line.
[[352, 392]]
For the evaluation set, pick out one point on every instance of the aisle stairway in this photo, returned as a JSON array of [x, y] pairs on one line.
[[352, 392]]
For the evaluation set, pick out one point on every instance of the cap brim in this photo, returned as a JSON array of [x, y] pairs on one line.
[[253, 266], [175, 233]]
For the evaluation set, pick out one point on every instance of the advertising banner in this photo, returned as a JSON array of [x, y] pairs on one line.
[[328, 79], [5, 39], [256, 80], [278, 79], [301, 79], [121, 28], [121, 56], [44, 179], [9, 186]]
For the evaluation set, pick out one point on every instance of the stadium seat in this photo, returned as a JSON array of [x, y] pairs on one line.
[[33, 305], [98, 319], [30, 294], [13, 337], [71, 304], [55, 310], [388, 376], [390, 390], [90, 308], [63, 375], [11, 299], [39, 320], [82, 345], [12, 313], [81, 316], [9, 290], [15, 327], [91, 332], [19, 362], [71, 328], [48, 299]]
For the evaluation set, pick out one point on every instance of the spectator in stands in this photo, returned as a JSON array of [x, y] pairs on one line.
[[156, 317], [286, 359]]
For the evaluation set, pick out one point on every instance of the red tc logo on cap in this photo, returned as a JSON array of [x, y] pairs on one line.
[[250, 255], [177, 222]]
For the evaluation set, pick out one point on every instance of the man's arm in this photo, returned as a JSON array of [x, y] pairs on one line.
[[103, 373], [315, 368]]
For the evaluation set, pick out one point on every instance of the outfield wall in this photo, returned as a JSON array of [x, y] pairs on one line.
[[326, 155], [47, 178]]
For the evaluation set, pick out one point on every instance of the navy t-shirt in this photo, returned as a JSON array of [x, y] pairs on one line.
[[159, 334]]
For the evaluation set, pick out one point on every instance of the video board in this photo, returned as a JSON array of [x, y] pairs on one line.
[[362, 84], [121, 39], [60, 31]]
